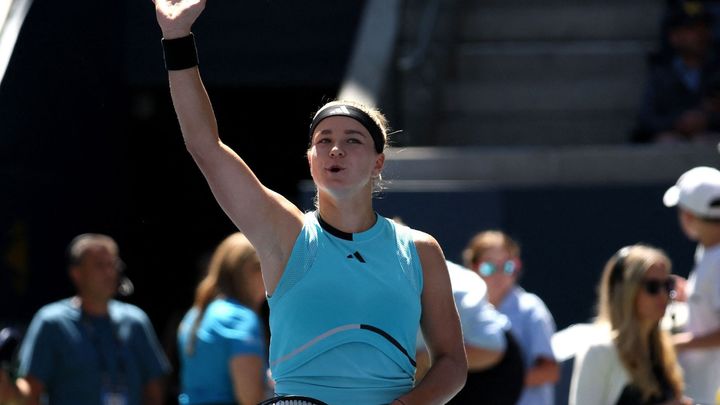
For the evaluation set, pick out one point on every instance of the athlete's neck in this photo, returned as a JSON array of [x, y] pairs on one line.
[[352, 220]]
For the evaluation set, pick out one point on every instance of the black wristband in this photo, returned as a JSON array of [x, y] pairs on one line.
[[180, 53]]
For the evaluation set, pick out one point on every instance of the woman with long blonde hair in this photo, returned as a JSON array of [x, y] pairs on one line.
[[633, 361], [221, 338]]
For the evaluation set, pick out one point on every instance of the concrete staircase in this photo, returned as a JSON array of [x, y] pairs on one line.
[[526, 72]]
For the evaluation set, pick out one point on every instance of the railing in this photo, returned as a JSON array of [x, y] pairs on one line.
[[372, 61], [12, 15], [421, 72], [426, 28], [373, 52]]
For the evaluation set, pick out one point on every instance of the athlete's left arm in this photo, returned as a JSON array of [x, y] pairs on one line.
[[441, 329]]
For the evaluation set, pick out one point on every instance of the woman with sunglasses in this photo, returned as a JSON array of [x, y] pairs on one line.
[[496, 257], [632, 360]]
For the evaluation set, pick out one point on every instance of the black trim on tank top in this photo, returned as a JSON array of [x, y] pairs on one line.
[[390, 339], [334, 231]]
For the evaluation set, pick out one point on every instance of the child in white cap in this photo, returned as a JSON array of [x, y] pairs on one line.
[[697, 196]]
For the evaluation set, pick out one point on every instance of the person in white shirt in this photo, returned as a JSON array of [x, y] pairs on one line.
[[697, 197]]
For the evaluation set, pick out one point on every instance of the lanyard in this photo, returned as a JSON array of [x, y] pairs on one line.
[[92, 328]]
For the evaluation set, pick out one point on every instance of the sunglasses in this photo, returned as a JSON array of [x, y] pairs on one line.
[[488, 269], [654, 286]]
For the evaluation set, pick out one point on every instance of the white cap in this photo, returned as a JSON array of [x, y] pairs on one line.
[[698, 191]]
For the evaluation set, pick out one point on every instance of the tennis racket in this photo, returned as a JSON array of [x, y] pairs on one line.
[[292, 400]]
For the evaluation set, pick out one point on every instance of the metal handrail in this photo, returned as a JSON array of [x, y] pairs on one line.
[[428, 22], [12, 17], [372, 56]]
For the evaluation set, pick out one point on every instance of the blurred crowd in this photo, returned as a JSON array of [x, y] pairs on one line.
[[681, 100]]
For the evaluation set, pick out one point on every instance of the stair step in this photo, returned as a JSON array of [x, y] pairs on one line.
[[583, 165], [539, 60], [599, 21], [530, 128], [559, 3], [551, 95], [524, 72]]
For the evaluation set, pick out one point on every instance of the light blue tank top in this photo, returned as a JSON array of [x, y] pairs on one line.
[[345, 314]]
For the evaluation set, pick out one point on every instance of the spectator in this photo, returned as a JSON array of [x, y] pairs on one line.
[[697, 196], [221, 338], [496, 257], [681, 97], [711, 7], [631, 360], [92, 349], [12, 390], [495, 365]]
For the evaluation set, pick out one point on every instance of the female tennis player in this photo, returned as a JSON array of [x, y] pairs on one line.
[[347, 288]]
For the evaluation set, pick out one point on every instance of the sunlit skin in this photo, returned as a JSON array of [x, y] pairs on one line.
[[499, 283], [342, 158], [651, 308]]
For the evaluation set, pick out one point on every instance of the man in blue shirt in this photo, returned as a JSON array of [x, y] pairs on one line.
[[496, 258], [91, 349]]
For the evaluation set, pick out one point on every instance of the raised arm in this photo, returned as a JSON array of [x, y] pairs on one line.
[[441, 330], [269, 221]]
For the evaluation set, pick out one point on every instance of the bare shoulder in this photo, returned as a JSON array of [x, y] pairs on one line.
[[424, 241], [430, 252]]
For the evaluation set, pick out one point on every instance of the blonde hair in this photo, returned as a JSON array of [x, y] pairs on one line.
[[224, 277], [483, 241], [616, 309]]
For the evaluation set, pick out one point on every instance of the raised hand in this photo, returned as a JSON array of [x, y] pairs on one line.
[[176, 17]]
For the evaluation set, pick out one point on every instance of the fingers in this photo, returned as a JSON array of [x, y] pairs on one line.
[[176, 8], [176, 17]]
